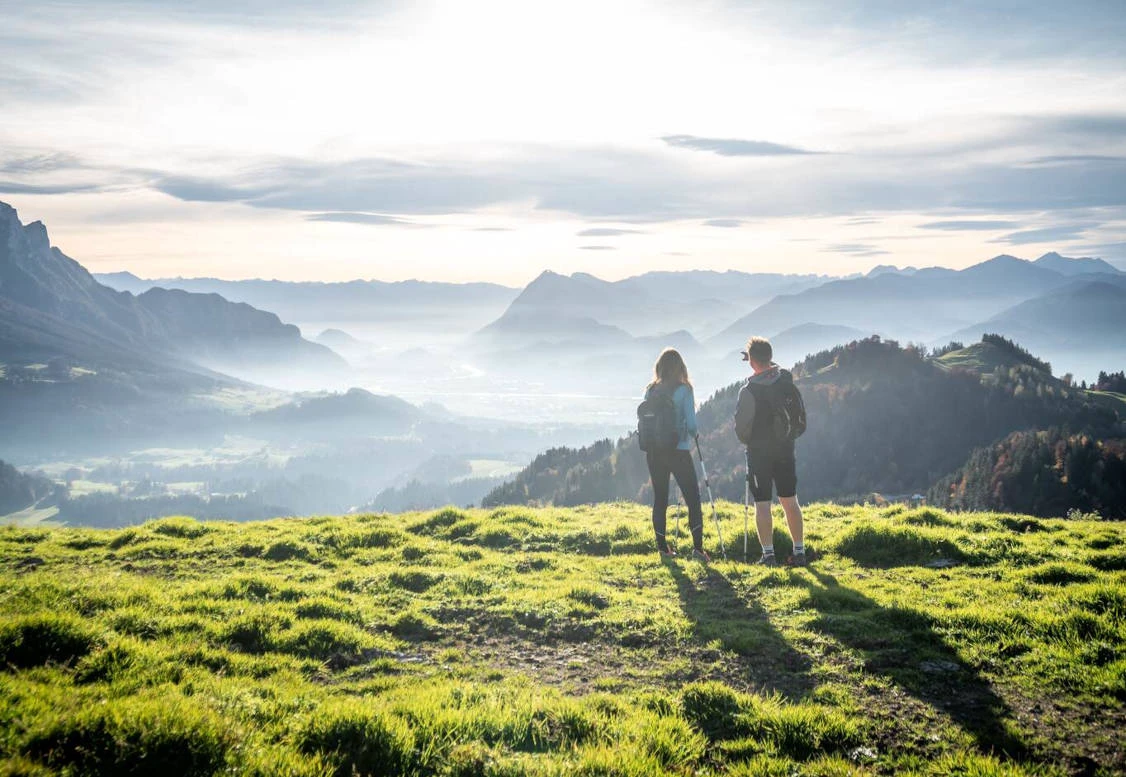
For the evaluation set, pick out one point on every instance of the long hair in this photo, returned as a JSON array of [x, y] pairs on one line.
[[670, 369]]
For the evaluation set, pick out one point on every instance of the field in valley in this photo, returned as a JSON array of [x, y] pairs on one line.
[[555, 641]]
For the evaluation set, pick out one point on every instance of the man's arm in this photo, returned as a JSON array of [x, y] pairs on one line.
[[744, 415]]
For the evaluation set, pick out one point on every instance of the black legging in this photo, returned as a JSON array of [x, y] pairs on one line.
[[679, 464]]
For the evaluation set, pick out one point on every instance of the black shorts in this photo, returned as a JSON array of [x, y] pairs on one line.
[[768, 469]]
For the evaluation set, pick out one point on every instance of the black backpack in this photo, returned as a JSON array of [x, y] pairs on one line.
[[787, 410], [656, 421]]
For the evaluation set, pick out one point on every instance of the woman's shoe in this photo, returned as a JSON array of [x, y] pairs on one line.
[[701, 555]]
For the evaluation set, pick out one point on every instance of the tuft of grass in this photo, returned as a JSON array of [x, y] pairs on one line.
[[414, 626], [254, 633], [179, 526], [442, 519], [323, 639], [1059, 574], [715, 709], [415, 581], [45, 638], [324, 608], [671, 742], [288, 550], [356, 738], [887, 545], [155, 735], [1109, 561]]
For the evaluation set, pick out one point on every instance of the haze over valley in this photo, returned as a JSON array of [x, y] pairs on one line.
[[125, 398]]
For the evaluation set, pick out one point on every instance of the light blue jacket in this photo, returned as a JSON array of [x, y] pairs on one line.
[[685, 402]]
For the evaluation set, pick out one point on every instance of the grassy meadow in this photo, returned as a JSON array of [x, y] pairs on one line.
[[556, 641]]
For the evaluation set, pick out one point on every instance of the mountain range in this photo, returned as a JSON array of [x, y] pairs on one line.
[[51, 308], [922, 305], [415, 305], [578, 330]]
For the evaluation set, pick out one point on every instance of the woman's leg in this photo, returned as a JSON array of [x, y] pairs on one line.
[[659, 476], [684, 470]]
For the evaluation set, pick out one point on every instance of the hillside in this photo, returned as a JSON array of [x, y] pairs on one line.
[[555, 642], [355, 412], [1078, 327], [991, 354], [19, 490], [1048, 472], [882, 418], [51, 308]]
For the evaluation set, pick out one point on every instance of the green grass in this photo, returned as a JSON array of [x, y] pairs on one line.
[[550, 641]]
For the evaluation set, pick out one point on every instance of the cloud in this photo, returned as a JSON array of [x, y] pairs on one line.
[[732, 146], [855, 249], [199, 189], [491, 229], [954, 33], [970, 226], [46, 162], [12, 187], [255, 13], [598, 248], [1108, 125], [1065, 158], [612, 183], [1045, 235], [607, 232], [1114, 252], [371, 219]]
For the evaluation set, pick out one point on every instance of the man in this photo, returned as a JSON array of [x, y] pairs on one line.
[[769, 435]]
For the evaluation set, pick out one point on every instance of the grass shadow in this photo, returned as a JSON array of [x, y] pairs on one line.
[[905, 647], [719, 613]]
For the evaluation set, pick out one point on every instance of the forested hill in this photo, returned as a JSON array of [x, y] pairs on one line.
[[1042, 472], [883, 418]]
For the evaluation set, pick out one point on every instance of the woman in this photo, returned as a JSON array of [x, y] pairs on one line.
[[671, 375]]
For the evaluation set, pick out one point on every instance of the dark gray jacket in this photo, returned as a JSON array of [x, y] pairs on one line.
[[745, 407]]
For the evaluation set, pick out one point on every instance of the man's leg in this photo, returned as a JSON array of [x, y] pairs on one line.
[[758, 470], [794, 520], [787, 480], [764, 522]]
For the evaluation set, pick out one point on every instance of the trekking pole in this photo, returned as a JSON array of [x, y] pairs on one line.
[[711, 498], [679, 502], [746, 507]]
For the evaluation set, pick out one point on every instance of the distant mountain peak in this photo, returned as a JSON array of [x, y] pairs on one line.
[[1075, 265], [548, 275], [1003, 259], [890, 269]]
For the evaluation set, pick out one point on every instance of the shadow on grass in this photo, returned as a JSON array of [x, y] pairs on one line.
[[718, 613], [904, 646]]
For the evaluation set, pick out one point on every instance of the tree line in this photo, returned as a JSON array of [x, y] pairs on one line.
[[882, 418]]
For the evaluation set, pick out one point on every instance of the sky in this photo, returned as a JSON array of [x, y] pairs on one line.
[[489, 141]]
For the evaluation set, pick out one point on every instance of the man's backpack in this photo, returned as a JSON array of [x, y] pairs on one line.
[[787, 410], [656, 421]]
